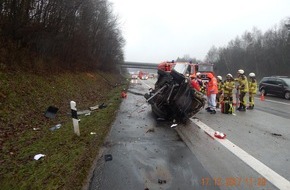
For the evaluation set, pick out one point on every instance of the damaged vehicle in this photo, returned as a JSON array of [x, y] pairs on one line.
[[173, 97]]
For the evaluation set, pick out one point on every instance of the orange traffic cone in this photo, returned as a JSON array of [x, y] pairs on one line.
[[262, 98]]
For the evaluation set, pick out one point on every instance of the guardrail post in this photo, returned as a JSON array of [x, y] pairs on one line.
[[75, 117]]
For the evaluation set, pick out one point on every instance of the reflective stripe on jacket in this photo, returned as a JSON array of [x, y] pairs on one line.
[[253, 86]]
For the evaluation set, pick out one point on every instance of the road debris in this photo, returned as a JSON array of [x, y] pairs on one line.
[[219, 135], [51, 112], [38, 156], [123, 94], [55, 127], [94, 107], [150, 130], [160, 181], [276, 134], [173, 126], [83, 112], [103, 105], [108, 157]]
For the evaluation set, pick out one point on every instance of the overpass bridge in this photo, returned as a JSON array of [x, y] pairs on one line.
[[139, 65]]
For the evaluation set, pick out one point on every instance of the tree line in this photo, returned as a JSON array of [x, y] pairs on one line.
[[265, 54], [78, 34]]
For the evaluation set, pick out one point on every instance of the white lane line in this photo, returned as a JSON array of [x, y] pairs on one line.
[[144, 83], [273, 177], [273, 101]]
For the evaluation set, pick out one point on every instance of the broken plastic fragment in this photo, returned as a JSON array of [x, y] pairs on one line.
[[55, 127], [219, 135], [173, 125], [38, 156], [94, 107], [93, 133], [108, 157]]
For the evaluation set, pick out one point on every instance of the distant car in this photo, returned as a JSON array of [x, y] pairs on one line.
[[276, 85], [134, 76]]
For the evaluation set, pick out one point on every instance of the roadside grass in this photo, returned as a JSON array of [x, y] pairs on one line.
[[24, 98]]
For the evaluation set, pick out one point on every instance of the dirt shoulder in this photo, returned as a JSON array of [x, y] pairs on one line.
[[26, 132]]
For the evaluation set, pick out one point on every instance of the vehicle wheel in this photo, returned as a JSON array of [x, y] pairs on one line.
[[287, 95], [263, 91]]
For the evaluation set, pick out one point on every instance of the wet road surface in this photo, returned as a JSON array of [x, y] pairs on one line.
[[149, 154]]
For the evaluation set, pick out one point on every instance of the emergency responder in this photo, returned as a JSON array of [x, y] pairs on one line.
[[219, 95], [229, 86], [194, 82], [211, 92], [252, 90], [200, 82], [243, 89]]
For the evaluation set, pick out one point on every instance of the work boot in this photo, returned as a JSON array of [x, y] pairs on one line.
[[212, 112], [243, 108], [208, 108]]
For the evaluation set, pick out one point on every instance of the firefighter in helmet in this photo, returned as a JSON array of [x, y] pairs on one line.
[[219, 95], [243, 88], [229, 86], [252, 90]]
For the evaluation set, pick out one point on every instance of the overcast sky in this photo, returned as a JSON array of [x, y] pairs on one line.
[[160, 30]]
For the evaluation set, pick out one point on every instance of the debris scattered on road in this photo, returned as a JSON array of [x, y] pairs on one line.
[[173, 125], [276, 134], [160, 181], [38, 156], [219, 135], [84, 112], [94, 107], [103, 105], [150, 130], [123, 94], [55, 127], [108, 157], [51, 112]]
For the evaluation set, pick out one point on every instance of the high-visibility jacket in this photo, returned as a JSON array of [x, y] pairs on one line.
[[229, 85], [195, 85], [220, 87], [253, 86], [211, 87], [243, 83]]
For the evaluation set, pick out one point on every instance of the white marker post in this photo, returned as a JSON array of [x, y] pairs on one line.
[[75, 117]]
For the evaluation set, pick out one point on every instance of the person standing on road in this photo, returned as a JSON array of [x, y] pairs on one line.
[[219, 95], [229, 86], [194, 83], [211, 92], [252, 90], [243, 88]]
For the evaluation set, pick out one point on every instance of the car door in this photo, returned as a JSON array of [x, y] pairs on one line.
[[271, 86], [279, 87]]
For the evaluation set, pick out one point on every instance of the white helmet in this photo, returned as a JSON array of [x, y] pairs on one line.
[[219, 77], [230, 75], [198, 73], [252, 75], [241, 71]]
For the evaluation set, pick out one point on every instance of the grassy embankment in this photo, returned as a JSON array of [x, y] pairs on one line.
[[24, 98]]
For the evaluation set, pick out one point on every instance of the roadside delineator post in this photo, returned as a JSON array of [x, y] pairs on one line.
[[75, 117]]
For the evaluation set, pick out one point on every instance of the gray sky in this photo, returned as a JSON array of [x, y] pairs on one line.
[[160, 30]]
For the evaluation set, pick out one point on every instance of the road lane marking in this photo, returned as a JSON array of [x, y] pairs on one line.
[[273, 101], [144, 83], [273, 177]]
